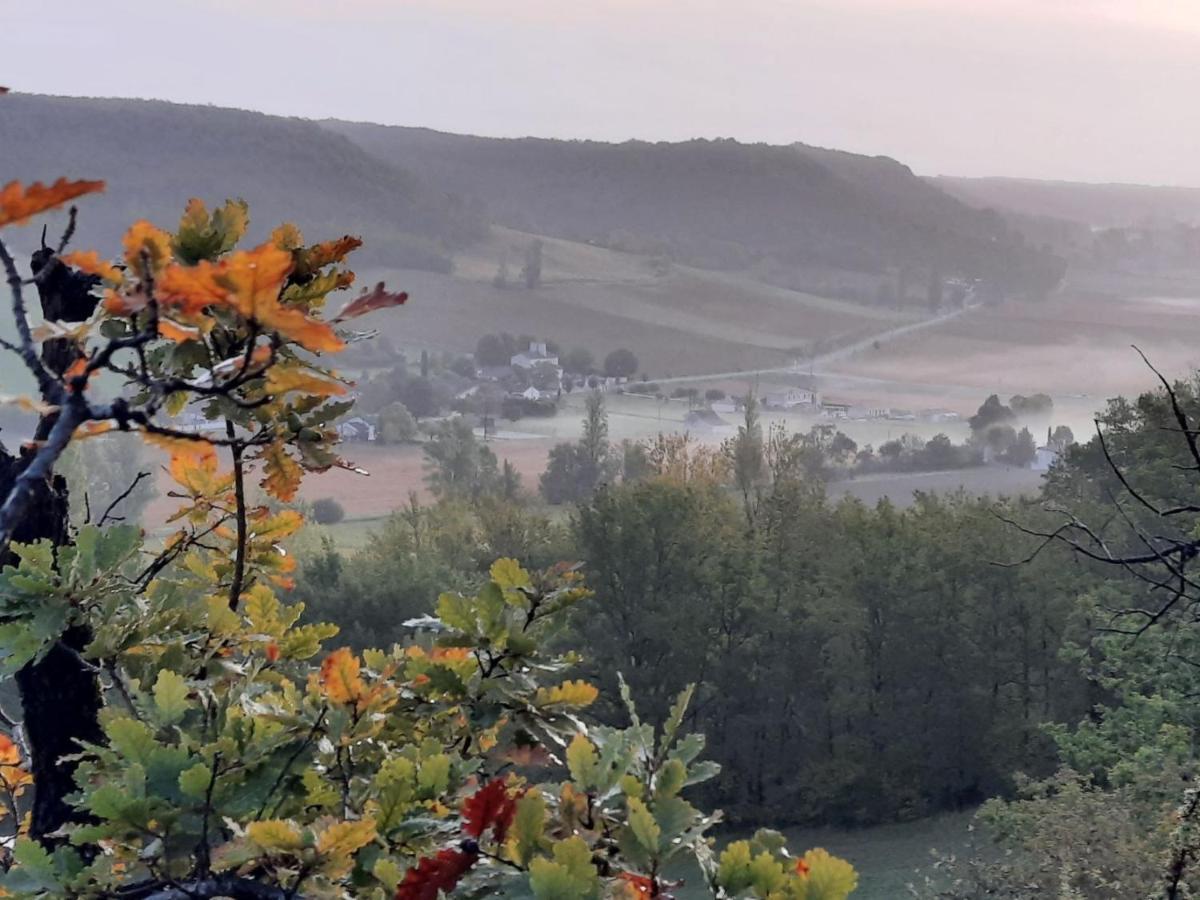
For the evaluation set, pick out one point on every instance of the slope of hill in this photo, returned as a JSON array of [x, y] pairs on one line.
[[156, 155], [677, 320], [789, 214], [1099, 205]]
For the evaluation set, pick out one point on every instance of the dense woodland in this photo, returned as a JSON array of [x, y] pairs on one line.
[[854, 664]]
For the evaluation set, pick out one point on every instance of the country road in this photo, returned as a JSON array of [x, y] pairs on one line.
[[814, 365]]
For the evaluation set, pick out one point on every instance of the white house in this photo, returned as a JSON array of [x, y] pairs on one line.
[[356, 429], [1044, 459], [535, 357]]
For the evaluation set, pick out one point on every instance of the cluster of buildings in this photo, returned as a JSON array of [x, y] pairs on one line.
[[806, 399], [535, 374]]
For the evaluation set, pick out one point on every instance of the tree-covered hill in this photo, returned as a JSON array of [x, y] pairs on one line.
[[1097, 205], [151, 153], [785, 211]]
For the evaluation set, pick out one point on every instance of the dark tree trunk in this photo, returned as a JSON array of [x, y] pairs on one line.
[[60, 695]]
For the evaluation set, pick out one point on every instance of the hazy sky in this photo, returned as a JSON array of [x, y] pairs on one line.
[[1097, 90]]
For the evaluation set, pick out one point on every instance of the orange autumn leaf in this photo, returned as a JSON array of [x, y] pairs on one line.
[[145, 240], [92, 429], [321, 255], [191, 289], [282, 380], [89, 261], [194, 466], [10, 754], [282, 473], [341, 677], [312, 259], [368, 301], [254, 279], [77, 369], [449, 654], [123, 304], [272, 652], [640, 885], [18, 204], [174, 443], [173, 331]]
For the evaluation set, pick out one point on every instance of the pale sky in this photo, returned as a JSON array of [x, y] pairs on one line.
[[1092, 90]]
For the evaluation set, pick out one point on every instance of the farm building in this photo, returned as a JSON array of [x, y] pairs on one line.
[[790, 398]]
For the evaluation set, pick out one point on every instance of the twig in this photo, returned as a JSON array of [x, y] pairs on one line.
[[125, 494]]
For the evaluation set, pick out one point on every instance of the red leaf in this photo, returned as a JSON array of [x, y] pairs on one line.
[[435, 873], [368, 301], [490, 807]]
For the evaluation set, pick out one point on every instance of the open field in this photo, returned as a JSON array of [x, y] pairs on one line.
[[1070, 344], [677, 320]]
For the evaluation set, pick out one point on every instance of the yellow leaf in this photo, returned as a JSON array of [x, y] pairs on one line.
[[571, 694], [282, 473], [287, 237], [582, 761], [276, 834], [509, 575], [194, 465], [826, 876], [345, 838], [144, 239], [341, 678], [19, 204]]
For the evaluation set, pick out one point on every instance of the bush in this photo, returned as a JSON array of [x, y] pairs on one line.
[[327, 511], [620, 364]]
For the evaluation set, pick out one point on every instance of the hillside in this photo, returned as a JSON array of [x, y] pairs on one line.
[[155, 155], [798, 216], [1098, 205]]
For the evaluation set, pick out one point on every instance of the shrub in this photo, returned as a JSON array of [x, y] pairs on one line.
[[327, 511]]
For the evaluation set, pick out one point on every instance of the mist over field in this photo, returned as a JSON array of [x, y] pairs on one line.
[[483, 444]]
